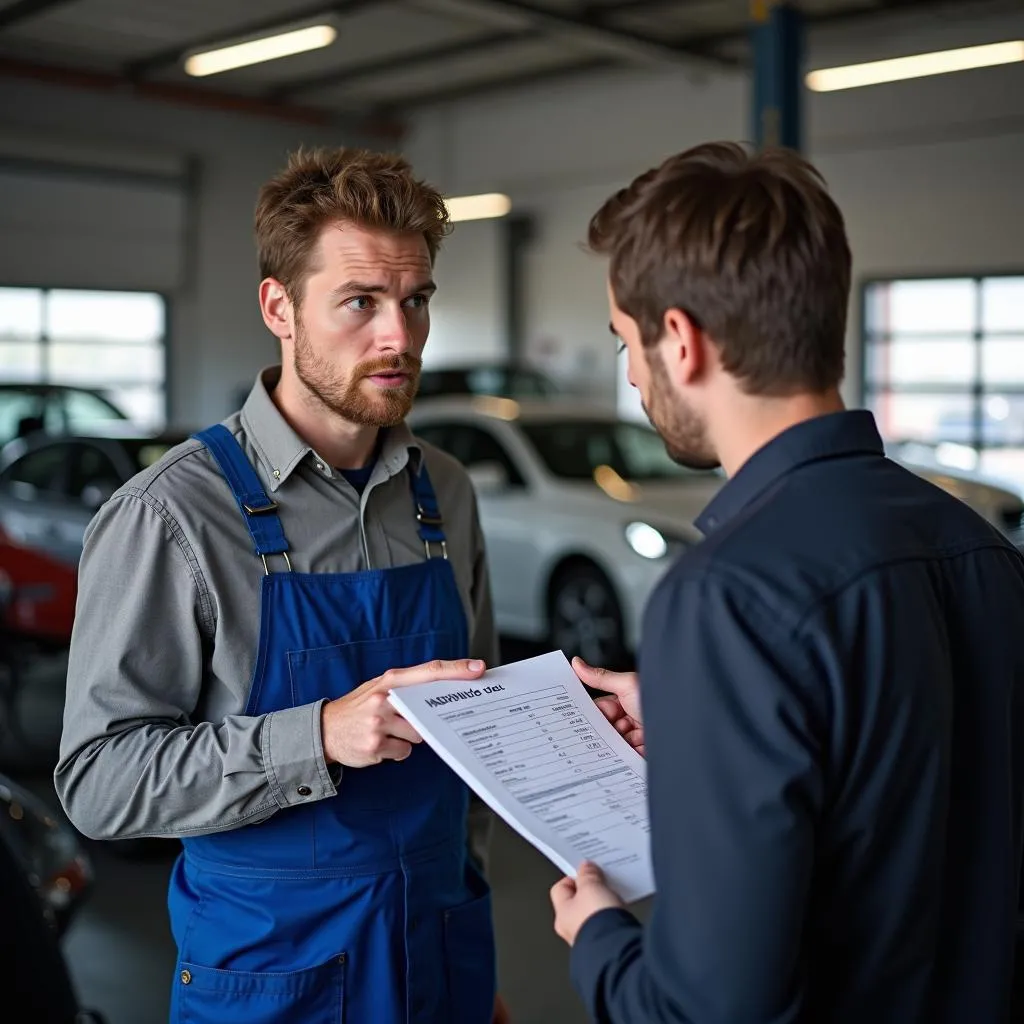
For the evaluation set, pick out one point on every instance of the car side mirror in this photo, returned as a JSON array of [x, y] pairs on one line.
[[488, 477], [95, 494]]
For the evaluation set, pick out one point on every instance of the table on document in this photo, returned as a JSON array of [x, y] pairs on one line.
[[550, 758]]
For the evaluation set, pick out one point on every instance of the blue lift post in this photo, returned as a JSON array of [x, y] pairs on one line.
[[777, 43]]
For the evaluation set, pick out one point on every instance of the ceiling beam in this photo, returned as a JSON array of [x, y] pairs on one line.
[[387, 128], [171, 55], [402, 61], [586, 32], [22, 10]]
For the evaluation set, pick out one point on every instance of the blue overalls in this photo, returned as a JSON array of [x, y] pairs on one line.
[[362, 908]]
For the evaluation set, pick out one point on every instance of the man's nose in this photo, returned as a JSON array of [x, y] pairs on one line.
[[394, 335]]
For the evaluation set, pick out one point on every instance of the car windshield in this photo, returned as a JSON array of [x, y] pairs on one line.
[[575, 449]]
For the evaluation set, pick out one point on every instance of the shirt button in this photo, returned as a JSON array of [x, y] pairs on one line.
[[304, 791], [186, 977], [320, 466]]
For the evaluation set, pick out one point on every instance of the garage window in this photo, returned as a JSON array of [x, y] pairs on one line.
[[944, 368], [111, 340]]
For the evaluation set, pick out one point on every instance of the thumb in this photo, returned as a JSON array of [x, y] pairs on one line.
[[589, 873], [602, 679]]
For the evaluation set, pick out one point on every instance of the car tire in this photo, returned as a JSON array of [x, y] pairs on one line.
[[585, 618]]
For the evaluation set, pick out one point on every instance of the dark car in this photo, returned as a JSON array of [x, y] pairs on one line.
[[50, 488], [53, 409], [498, 380]]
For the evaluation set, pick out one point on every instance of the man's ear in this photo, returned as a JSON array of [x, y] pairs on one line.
[[276, 308], [683, 347]]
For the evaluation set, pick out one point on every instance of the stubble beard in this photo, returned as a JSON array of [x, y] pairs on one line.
[[354, 397], [680, 427]]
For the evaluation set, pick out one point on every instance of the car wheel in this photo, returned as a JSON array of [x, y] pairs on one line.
[[585, 618]]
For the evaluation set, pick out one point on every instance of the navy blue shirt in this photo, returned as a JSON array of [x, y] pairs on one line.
[[832, 686]]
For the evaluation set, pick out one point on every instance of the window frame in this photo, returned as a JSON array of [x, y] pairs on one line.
[[975, 389], [44, 340]]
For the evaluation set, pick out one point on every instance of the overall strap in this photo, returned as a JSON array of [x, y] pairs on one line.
[[258, 510], [428, 514]]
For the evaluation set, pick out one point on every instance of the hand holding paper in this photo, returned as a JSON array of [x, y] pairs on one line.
[[530, 741]]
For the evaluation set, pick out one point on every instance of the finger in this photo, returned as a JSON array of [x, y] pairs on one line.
[[603, 679], [635, 738], [394, 750], [431, 672], [588, 873], [400, 729], [610, 708], [561, 892], [624, 724]]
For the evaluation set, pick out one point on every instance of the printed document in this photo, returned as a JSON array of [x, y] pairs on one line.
[[528, 738]]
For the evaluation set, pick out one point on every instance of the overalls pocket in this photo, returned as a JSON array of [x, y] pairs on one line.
[[472, 975], [313, 995]]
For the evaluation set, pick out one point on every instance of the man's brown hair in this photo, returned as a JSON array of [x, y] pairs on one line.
[[750, 246], [321, 186]]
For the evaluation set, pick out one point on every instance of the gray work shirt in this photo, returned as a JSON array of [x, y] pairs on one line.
[[155, 740]]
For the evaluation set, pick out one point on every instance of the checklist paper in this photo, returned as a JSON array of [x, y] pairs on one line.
[[529, 740]]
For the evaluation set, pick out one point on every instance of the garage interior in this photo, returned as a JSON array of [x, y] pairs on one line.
[[127, 187]]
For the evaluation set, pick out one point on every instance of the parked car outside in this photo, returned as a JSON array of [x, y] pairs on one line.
[[54, 409], [496, 379], [50, 488], [583, 511]]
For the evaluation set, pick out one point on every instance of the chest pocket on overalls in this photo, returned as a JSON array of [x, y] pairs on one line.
[[332, 672]]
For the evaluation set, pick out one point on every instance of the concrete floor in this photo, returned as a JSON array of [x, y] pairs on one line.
[[119, 948]]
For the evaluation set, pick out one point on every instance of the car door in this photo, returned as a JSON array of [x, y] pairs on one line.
[[505, 518]]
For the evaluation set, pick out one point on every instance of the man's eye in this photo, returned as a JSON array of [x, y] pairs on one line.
[[361, 303], [417, 301]]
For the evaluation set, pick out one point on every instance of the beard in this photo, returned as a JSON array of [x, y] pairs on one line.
[[355, 397], [681, 427]]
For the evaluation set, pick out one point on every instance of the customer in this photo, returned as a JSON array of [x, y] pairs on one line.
[[831, 683]]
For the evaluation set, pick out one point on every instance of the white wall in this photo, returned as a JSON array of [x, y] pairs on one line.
[[928, 172], [218, 341]]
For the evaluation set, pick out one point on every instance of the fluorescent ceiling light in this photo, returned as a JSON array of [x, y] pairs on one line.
[[920, 65], [482, 207], [257, 51]]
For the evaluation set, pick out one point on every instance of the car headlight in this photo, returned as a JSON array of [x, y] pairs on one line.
[[650, 542]]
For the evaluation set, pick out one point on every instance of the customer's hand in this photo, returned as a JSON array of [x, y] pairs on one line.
[[362, 728], [576, 900], [622, 708]]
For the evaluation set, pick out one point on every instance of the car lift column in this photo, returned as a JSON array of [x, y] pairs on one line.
[[776, 39]]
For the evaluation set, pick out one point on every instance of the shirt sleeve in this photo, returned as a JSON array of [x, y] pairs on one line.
[[735, 790], [132, 763]]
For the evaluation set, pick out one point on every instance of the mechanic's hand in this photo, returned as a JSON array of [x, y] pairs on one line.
[[576, 900], [622, 709], [362, 728]]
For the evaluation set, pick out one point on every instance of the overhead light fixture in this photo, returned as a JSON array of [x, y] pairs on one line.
[[256, 51], [482, 207], [919, 65]]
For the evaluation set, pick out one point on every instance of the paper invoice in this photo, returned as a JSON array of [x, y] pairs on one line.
[[529, 740]]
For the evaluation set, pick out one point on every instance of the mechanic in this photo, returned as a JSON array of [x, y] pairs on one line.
[[244, 606]]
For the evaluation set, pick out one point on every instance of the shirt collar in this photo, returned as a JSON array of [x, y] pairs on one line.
[[829, 436], [281, 449]]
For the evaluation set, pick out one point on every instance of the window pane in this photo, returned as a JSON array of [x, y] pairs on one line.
[[929, 418], [21, 313], [84, 410], [909, 307], [921, 361], [1002, 360], [143, 405], [105, 316], [20, 360], [1002, 304], [1004, 463], [1003, 421], [16, 406], [74, 362]]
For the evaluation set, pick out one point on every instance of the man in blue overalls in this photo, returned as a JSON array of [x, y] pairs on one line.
[[246, 603]]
